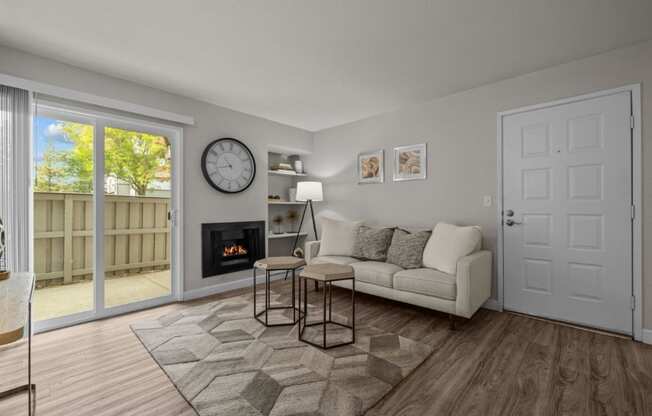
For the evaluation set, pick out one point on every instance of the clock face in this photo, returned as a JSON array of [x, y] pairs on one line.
[[228, 165]]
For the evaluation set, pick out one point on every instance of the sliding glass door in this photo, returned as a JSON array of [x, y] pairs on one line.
[[104, 205], [137, 196], [63, 210]]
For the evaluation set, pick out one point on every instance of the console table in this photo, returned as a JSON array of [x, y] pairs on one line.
[[15, 318]]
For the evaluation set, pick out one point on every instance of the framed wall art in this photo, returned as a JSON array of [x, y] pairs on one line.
[[410, 162], [371, 166]]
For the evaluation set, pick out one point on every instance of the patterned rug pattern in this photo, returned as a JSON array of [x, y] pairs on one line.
[[224, 362]]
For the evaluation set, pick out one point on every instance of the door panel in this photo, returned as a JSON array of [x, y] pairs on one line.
[[63, 216], [567, 179], [137, 232]]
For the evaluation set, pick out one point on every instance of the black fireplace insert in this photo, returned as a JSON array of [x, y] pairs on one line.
[[231, 246]]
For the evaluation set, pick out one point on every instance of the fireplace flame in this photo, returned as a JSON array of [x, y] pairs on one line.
[[234, 250]]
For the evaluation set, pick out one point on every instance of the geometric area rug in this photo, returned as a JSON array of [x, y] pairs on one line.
[[224, 362]]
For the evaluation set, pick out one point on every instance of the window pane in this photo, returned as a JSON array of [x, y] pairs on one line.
[[63, 217], [137, 190]]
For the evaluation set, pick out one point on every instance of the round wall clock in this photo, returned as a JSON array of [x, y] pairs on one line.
[[228, 165]]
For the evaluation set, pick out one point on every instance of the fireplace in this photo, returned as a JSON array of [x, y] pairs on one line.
[[231, 246]]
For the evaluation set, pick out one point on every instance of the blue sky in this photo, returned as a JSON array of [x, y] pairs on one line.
[[48, 132]]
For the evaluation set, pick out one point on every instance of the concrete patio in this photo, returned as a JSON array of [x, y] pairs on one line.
[[57, 301]]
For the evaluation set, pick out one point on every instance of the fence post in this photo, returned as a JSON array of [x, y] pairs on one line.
[[67, 239]]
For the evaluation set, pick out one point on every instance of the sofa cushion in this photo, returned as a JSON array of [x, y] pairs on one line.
[[406, 249], [448, 244], [372, 243], [333, 259], [427, 282], [338, 237], [375, 272]]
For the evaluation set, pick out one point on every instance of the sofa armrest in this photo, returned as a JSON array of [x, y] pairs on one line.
[[311, 250], [473, 282]]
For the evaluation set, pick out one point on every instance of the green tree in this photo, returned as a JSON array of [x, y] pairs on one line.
[[133, 157], [136, 158], [50, 172], [79, 160]]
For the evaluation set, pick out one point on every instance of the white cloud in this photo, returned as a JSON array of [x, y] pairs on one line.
[[54, 129]]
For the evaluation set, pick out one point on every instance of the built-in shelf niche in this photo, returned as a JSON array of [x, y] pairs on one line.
[[279, 183]]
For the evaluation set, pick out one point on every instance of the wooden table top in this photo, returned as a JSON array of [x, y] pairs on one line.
[[15, 295], [280, 263], [326, 272]]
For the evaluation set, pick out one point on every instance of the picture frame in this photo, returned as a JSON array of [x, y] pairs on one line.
[[371, 166], [410, 162]]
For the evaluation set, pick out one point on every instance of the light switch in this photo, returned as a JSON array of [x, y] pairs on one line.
[[487, 200]]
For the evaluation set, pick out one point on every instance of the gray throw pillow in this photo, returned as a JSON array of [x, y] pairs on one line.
[[372, 243], [406, 249]]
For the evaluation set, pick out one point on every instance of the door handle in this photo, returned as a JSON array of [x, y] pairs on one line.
[[510, 222]]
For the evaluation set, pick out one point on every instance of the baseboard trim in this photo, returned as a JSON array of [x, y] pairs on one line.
[[226, 286], [493, 305], [647, 336]]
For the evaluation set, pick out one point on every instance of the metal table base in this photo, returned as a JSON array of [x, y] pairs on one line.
[[265, 311], [326, 319]]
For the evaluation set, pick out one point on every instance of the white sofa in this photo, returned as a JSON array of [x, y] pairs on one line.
[[461, 294]]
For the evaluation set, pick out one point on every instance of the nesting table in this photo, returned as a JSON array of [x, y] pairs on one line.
[[269, 264], [15, 321], [327, 273]]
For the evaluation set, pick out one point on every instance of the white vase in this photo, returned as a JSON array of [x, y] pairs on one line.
[[298, 166], [293, 194]]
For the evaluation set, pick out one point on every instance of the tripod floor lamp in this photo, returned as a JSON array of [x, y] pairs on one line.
[[307, 192]]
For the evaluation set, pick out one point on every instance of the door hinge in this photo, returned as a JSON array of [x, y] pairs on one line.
[[633, 211], [633, 302], [631, 122]]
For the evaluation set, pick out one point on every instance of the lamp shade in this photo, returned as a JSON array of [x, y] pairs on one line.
[[309, 191]]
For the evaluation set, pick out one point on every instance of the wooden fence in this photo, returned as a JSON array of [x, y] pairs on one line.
[[136, 236]]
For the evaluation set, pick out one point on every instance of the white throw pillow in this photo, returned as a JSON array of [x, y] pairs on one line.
[[448, 244], [338, 237]]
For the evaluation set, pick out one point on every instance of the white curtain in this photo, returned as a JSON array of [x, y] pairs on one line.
[[15, 174]]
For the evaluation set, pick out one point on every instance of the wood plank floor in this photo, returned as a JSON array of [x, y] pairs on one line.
[[494, 364]]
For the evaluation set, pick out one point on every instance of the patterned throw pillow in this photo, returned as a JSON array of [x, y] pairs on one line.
[[406, 249], [372, 243]]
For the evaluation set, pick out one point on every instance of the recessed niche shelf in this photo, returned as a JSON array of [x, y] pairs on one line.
[[285, 203], [284, 173], [285, 235]]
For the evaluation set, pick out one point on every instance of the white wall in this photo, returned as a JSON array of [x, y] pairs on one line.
[[202, 203], [461, 134], [460, 130]]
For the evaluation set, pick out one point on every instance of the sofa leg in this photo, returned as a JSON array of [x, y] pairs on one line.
[[451, 322]]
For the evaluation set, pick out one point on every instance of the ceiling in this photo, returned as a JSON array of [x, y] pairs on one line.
[[314, 64]]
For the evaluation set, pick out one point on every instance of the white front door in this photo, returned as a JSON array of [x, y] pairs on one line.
[[567, 227]]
